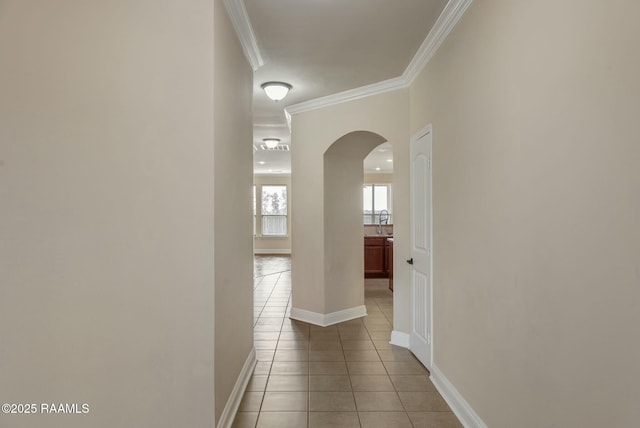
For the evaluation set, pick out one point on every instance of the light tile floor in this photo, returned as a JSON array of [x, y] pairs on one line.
[[346, 375]]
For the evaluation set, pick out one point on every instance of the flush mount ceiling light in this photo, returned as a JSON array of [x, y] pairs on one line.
[[276, 90], [271, 143]]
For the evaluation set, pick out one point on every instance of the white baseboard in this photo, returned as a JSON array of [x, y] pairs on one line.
[[324, 320], [399, 338], [233, 403], [282, 251], [458, 404]]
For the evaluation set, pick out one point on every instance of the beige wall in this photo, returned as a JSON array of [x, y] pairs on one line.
[[269, 244], [534, 107], [233, 216], [107, 214], [378, 178], [313, 132], [343, 229]]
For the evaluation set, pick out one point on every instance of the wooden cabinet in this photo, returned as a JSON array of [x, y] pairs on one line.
[[374, 257], [378, 257]]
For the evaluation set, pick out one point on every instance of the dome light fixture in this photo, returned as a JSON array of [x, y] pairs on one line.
[[276, 90], [271, 143]]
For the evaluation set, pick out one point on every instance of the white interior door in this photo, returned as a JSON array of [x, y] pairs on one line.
[[420, 337]]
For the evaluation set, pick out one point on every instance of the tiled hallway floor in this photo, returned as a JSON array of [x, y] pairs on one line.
[[346, 375]]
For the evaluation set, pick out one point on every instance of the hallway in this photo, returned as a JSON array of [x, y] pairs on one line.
[[346, 375]]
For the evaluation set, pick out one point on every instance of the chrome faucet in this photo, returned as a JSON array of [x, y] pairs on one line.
[[382, 217]]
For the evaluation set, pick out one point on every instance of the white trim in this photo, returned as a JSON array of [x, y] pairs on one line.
[[287, 116], [247, 37], [325, 320], [345, 315], [458, 404], [346, 96], [423, 132], [451, 14], [399, 338], [233, 403], [281, 251], [307, 316]]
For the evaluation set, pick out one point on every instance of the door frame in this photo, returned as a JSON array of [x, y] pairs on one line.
[[427, 130]]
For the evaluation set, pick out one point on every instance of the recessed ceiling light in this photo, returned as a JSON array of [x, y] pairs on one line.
[[262, 162], [276, 90], [389, 160], [378, 169], [382, 150]]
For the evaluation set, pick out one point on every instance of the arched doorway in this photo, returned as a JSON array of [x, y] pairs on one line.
[[343, 222]]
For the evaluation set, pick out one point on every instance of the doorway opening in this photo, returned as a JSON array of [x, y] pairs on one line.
[[348, 225], [377, 210]]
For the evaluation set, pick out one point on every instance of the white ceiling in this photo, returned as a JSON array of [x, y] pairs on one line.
[[380, 160], [267, 161], [323, 47]]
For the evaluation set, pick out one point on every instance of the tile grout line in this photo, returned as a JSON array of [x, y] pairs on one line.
[[264, 395], [346, 335]]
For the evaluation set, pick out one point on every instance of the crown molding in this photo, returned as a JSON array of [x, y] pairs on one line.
[[241, 23], [451, 14], [287, 116], [350, 95]]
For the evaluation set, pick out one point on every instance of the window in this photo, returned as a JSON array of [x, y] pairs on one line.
[[375, 198], [254, 210], [274, 210]]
